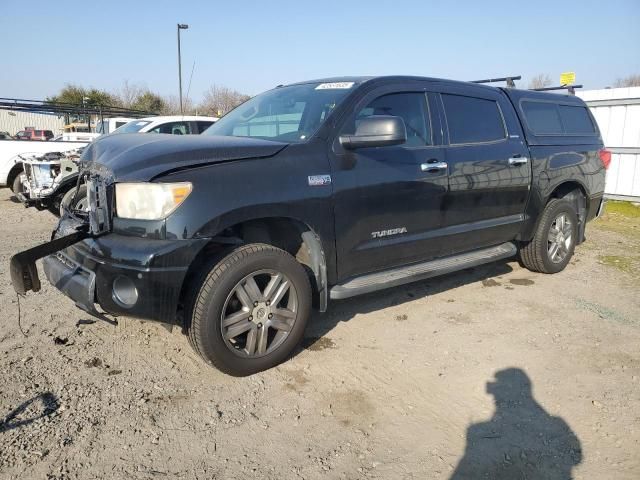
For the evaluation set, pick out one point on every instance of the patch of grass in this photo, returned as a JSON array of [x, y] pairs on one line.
[[627, 209], [621, 217], [623, 252], [603, 312], [625, 264]]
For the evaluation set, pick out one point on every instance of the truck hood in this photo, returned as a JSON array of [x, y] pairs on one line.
[[139, 157]]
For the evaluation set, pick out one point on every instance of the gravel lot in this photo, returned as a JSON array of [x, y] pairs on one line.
[[429, 380]]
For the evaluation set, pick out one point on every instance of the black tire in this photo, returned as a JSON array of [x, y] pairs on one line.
[[211, 295], [16, 186], [535, 255], [68, 197]]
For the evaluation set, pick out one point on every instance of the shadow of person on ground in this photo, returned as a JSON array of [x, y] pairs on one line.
[[49, 405], [521, 440]]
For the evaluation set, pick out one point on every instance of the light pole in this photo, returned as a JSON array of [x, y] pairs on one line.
[[84, 104], [181, 26]]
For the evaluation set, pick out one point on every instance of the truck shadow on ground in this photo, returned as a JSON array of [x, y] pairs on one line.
[[344, 310], [40, 406], [521, 440]]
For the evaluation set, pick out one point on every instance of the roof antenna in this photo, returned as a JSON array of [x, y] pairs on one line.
[[190, 78]]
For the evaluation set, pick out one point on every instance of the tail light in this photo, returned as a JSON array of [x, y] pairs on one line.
[[605, 157]]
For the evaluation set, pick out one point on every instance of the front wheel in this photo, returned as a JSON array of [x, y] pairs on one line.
[[251, 310], [554, 242], [18, 183], [73, 200]]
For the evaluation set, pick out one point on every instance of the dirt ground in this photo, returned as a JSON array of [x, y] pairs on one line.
[[494, 372]]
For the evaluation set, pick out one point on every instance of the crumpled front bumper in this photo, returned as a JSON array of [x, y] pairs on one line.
[[22, 267], [75, 282], [87, 273], [87, 267]]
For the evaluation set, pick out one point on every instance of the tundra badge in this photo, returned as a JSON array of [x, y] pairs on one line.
[[386, 233]]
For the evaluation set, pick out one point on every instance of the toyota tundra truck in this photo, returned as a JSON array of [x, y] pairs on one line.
[[319, 191]]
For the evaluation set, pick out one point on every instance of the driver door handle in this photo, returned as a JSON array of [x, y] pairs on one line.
[[434, 167], [515, 161]]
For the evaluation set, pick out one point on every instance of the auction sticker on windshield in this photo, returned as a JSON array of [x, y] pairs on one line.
[[334, 85]]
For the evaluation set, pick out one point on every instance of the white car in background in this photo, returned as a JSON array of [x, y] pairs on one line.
[[175, 125], [14, 152], [109, 125]]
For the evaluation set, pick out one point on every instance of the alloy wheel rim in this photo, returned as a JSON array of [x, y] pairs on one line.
[[259, 313], [81, 204], [559, 238]]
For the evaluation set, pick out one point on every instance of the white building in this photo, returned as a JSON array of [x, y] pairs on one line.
[[617, 111], [13, 121]]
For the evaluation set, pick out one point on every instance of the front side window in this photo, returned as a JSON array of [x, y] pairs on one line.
[[288, 114], [472, 119], [411, 107]]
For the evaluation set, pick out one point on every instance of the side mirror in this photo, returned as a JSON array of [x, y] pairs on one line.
[[376, 131]]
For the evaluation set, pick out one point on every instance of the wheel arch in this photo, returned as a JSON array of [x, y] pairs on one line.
[[13, 173], [576, 193], [287, 233]]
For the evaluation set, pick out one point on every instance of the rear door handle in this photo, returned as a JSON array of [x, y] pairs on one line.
[[515, 161], [434, 167]]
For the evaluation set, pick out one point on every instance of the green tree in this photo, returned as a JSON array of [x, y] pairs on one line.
[[149, 102], [75, 94]]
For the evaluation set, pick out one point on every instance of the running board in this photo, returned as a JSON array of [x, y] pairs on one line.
[[419, 271]]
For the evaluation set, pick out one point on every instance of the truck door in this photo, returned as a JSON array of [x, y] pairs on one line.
[[388, 200], [489, 169]]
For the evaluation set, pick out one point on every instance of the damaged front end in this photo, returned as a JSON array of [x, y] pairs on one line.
[[47, 177], [110, 264], [74, 226]]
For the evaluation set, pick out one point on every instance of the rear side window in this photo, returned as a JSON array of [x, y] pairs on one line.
[[545, 118], [576, 120], [542, 117], [473, 120]]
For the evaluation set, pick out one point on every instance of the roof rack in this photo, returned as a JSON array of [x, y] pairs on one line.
[[570, 88], [509, 80], [61, 108]]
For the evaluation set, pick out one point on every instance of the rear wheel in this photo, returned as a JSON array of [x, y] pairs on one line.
[[251, 310], [554, 242]]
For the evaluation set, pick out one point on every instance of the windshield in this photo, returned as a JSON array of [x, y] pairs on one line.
[[133, 126], [287, 114]]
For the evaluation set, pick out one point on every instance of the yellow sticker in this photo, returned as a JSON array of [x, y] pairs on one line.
[[567, 78]]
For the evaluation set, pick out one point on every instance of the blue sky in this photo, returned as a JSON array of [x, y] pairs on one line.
[[254, 45]]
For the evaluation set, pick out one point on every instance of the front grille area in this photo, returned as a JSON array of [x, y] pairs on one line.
[[38, 175], [99, 194]]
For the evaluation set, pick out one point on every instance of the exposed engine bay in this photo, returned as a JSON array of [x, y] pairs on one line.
[[48, 177]]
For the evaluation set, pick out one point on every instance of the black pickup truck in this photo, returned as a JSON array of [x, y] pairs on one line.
[[321, 190]]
